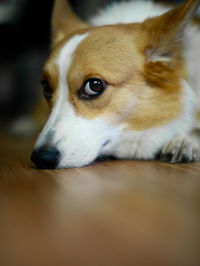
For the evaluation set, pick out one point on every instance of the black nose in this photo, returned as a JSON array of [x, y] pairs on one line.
[[46, 157]]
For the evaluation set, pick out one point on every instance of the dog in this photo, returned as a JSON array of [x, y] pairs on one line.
[[126, 84]]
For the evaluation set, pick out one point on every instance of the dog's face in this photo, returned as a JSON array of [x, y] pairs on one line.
[[104, 81]]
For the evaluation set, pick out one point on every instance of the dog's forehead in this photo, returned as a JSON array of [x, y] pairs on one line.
[[93, 50], [60, 58], [103, 53], [96, 39], [106, 43]]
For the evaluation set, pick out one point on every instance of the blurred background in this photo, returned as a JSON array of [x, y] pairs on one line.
[[24, 46]]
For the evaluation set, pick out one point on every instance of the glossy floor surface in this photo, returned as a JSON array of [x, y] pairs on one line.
[[108, 214]]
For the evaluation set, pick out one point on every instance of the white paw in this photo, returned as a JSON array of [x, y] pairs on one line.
[[181, 149]]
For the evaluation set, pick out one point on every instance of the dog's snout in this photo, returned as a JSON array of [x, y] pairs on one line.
[[46, 157]]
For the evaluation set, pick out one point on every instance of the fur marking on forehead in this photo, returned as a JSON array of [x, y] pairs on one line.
[[64, 58]]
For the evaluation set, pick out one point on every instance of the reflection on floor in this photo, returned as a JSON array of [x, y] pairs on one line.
[[110, 213]]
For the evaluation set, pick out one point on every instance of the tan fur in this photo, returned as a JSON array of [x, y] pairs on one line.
[[135, 86], [143, 91], [50, 73], [40, 112], [101, 56]]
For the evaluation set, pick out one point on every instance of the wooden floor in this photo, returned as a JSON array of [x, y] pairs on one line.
[[110, 213]]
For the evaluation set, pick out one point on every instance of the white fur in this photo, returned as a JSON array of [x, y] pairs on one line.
[[184, 147], [145, 144], [127, 12], [79, 140], [192, 58], [138, 11]]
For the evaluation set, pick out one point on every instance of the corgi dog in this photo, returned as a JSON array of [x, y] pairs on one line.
[[126, 84]]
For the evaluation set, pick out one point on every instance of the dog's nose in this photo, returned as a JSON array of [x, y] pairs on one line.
[[46, 157]]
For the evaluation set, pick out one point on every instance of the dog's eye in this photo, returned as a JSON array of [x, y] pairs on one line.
[[92, 88], [47, 91]]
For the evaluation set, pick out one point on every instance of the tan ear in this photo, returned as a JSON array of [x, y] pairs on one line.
[[165, 33], [64, 21]]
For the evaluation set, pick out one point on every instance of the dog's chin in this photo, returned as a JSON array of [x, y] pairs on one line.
[[68, 163], [81, 158], [98, 159], [76, 163]]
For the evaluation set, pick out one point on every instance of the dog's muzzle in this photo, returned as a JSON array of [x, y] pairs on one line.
[[46, 157]]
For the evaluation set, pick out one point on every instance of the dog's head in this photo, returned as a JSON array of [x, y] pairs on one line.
[[103, 81]]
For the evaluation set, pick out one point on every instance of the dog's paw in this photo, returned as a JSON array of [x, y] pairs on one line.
[[181, 149]]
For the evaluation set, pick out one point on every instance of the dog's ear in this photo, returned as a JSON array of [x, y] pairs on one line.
[[64, 21], [165, 33]]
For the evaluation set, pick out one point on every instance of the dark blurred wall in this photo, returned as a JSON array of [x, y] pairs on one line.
[[24, 42]]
